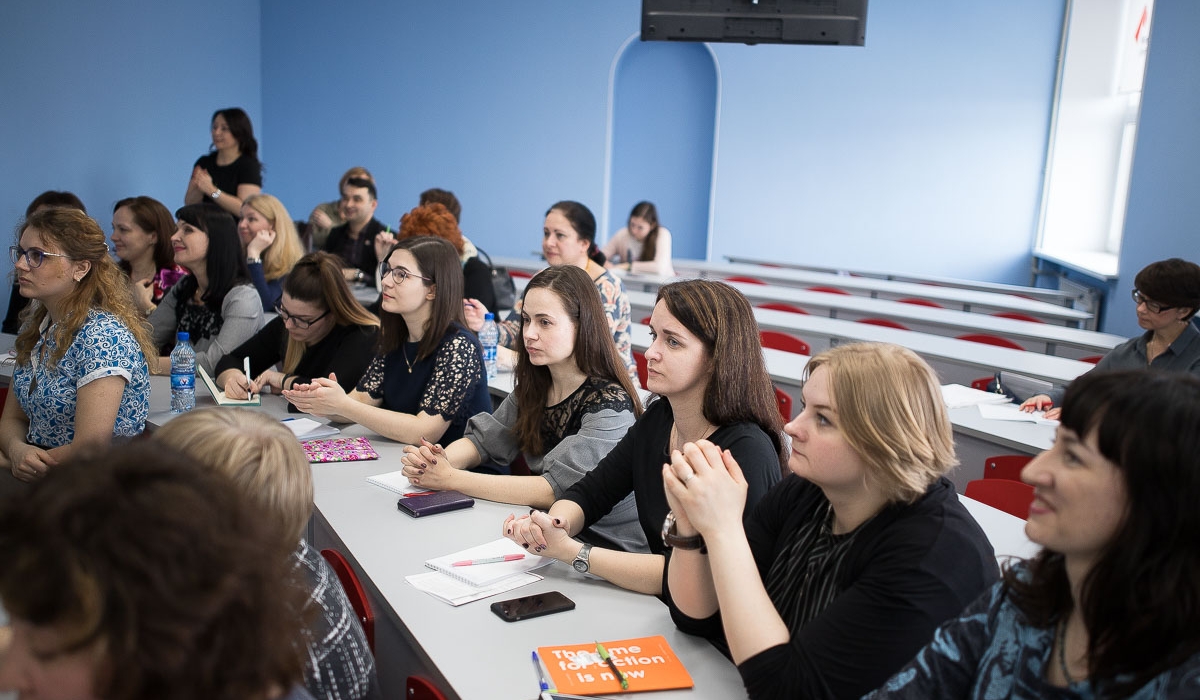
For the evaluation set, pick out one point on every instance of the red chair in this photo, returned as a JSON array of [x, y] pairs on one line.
[[987, 339], [639, 358], [354, 591], [780, 306], [519, 467], [828, 290], [883, 322], [418, 688], [1012, 497], [785, 404], [1092, 359], [982, 383], [782, 341], [744, 280], [1005, 466], [921, 302], [645, 321], [520, 273], [1017, 316]]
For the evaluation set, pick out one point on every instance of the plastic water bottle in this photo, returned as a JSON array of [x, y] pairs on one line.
[[183, 374], [489, 337]]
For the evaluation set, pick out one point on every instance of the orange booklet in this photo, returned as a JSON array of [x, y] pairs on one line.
[[647, 662]]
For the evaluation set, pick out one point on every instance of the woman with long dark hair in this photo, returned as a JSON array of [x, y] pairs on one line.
[[230, 172], [1110, 608], [571, 403], [141, 236], [643, 245]]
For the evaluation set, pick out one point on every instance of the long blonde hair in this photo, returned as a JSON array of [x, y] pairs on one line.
[[280, 256], [104, 288], [317, 279]]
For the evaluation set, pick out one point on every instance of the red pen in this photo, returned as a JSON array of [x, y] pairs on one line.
[[489, 560], [418, 493]]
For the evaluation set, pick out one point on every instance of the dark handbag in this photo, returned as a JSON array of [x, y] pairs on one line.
[[502, 284]]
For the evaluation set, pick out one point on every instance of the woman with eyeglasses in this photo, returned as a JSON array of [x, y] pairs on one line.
[[215, 304], [81, 376], [427, 377], [1166, 295], [321, 329]]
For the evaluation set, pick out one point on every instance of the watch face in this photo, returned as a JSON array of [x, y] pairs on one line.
[[580, 565]]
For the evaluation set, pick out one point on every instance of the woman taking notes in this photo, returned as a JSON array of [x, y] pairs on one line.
[[706, 364], [1110, 608], [846, 567], [427, 378], [81, 376], [572, 401], [271, 244], [215, 303], [320, 329], [643, 245]]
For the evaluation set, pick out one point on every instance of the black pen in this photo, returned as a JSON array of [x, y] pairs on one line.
[[611, 664]]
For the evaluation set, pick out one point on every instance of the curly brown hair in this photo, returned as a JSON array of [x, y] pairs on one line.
[[432, 220]]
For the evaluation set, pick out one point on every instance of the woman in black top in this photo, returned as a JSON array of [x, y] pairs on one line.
[[230, 171], [321, 329], [706, 364], [844, 570]]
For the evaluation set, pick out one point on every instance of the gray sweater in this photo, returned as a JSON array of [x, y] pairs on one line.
[[241, 314]]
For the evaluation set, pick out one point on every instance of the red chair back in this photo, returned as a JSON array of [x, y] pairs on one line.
[[1016, 316], [418, 688], [519, 467], [782, 341], [520, 273], [354, 591], [1093, 359], [785, 404], [991, 340], [780, 306], [982, 383], [883, 322], [921, 302], [645, 321], [1005, 466], [639, 358], [744, 280], [1012, 497], [828, 290]]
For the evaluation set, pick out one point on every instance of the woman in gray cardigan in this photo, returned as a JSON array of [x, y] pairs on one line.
[[571, 403]]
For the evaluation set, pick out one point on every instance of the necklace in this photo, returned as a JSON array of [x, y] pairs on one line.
[[1062, 652], [405, 351], [678, 441]]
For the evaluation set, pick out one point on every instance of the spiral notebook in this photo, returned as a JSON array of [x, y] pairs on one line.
[[482, 575]]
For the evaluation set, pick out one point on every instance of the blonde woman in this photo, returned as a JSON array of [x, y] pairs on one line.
[[320, 329], [271, 243], [81, 376], [845, 568], [266, 463]]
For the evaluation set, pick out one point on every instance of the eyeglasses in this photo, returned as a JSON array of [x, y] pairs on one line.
[[1152, 306], [399, 274], [300, 323], [34, 257]]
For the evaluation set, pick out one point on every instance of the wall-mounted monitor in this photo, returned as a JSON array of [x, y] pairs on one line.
[[834, 22]]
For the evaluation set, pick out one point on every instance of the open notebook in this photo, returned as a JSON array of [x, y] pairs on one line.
[[220, 397], [483, 575]]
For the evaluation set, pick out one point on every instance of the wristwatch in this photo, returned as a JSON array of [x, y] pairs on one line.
[[581, 560], [671, 539], [216, 194], [253, 261]]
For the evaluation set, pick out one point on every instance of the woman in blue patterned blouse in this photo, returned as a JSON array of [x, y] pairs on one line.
[[1110, 608], [81, 376]]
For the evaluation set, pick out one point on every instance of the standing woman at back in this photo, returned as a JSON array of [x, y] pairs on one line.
[[230, 172], [643, 245]]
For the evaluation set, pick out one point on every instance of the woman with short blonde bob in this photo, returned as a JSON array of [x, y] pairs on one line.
[[847, 566], [266, 463], [271, 243]]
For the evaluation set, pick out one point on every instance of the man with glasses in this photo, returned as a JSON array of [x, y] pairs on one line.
[[1166, 296], [354, 241]]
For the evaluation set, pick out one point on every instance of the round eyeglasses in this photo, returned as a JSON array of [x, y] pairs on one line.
[[300, 323], [1152, 306], [399, 274], [34, 257]]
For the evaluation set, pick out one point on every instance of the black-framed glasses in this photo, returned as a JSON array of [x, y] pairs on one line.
[[399, 274], [1152, 306], [300, 323], [34, 257]]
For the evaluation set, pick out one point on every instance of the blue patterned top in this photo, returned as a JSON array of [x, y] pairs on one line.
[[992, 652], [103, 347]]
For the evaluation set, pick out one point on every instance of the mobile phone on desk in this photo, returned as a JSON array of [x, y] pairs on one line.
[[532, 606]]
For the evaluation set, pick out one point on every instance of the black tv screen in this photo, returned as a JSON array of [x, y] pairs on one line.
[[833, 22]]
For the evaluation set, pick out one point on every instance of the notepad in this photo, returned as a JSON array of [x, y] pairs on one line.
[[306, 429], [220, 397], [1013, 412], [395, 482], [648, 663], [457, 593], [483, 575]]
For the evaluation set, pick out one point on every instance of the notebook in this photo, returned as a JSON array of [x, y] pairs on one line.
[[395, 482], [959, 396], [483, 575], [434, 503], [346, 449], [648, 663], [308, 429], [220, 397]]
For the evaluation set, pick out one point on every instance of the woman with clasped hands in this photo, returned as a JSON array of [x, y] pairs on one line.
[[844, 569], [706, 365]]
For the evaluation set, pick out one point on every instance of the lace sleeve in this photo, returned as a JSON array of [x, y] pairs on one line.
[[371, 383], [458, 368]]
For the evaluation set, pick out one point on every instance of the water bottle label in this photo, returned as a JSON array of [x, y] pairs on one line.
[[183, 381], [489, 353]]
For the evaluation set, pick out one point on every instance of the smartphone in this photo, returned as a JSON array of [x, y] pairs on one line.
[[532, 606]]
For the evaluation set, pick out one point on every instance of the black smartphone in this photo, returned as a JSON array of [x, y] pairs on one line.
[[532, 606]]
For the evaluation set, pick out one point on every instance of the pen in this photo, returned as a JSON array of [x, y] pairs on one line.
[[418, 493], [537, 668], [246, 365], [611, 664], [489, 560]]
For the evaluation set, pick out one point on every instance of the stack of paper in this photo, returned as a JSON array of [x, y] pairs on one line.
[[462, 584], [1013, 412], [959, 396]]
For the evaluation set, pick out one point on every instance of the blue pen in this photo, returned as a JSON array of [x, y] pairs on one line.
[[537, 667]]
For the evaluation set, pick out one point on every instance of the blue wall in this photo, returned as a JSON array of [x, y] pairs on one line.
[[111, 100]]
